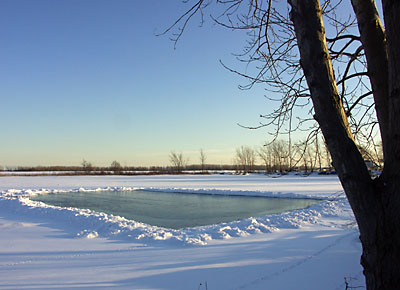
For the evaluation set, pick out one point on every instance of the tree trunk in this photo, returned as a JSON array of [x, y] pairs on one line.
[[373, 39], [382, 52], [374, 202], [391, 10]]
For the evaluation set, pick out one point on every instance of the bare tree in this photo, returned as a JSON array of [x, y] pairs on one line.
[[374, 202], [278, 155], [178, 161], [116, 167], [87, 166], [292, 55], [378, 155], [318, 154], [280, 151], [245, 159], [327, 156], [265, 154], [305, 155], [203, 159]]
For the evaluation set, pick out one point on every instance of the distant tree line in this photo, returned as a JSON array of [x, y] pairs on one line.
[[276, 156], [305, 156]]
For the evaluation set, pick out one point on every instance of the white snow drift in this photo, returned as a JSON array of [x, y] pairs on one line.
[[313, 248]]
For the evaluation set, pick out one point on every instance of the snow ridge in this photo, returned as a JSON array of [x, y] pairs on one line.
[[90, 224]]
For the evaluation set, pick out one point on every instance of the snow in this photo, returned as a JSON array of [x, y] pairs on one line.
[[47, 247]]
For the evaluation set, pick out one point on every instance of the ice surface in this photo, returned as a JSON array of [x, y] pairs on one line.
[[174, 210]]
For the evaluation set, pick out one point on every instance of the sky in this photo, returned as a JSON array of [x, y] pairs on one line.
[[92, 80]]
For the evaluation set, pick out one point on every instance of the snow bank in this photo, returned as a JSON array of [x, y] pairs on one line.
[[91, 224], [311, 249]]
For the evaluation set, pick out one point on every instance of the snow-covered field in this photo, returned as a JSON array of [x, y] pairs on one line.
[[45, 247]]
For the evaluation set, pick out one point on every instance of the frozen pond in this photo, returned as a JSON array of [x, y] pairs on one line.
[[174, 210]]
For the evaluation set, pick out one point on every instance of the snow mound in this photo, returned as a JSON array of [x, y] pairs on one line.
[[90, 224]]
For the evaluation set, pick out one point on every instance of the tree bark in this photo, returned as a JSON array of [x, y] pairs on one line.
[[387, 102], [391, 9], [374, 202], [373, 39]]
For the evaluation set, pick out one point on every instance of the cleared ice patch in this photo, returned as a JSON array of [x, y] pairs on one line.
[[92, 224]]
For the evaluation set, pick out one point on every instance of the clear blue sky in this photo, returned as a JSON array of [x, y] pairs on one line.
[[91, 80]]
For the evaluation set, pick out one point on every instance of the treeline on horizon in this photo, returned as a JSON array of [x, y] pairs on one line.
[[123, 169], [277, 156], [150, 170]]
